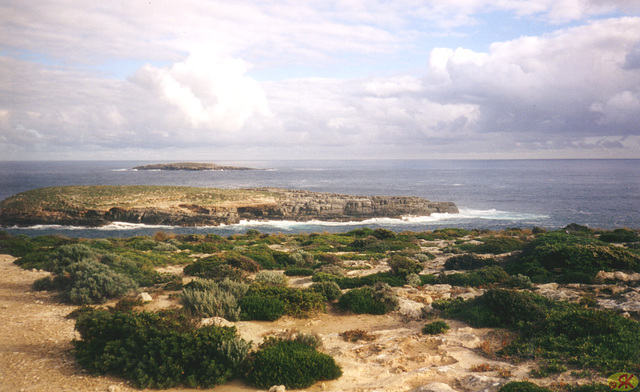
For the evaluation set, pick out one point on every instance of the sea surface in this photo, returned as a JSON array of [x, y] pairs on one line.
[[491, 194]]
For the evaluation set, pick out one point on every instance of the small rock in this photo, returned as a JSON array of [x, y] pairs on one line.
[[278, 388], [114, 388], [434, 387], [217, 321], [145, 297]]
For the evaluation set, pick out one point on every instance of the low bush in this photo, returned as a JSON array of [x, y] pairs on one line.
[[292, 364], [403, 266], [298, 272], [242, 262], [435, 327], [379, 300], [571, 258], [158, 350], [620, 236], [271, 278], [301, 303], [486, 276], [498, 245], [329, 290], [257, 307], [87, 282], [213, 268], [564, 332], [468, 262], [207, 298], [414, 280], [522, 386]]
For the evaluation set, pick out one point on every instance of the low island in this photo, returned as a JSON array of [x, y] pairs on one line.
[[190, 206], [189, 166]]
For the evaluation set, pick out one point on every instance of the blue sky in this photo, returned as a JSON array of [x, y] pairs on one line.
[[214, 80]]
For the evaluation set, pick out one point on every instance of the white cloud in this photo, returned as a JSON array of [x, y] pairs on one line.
[[210, 91]]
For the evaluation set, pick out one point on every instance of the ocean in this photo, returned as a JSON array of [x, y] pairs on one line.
[[491, 194]]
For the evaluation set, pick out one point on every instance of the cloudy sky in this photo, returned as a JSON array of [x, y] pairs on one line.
[[319, 79]]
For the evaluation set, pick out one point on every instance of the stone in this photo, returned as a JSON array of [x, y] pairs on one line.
[[145, 297], [114, 388], [410, 309], [476, 382], [434, 387], [217, 321], [277, 388]]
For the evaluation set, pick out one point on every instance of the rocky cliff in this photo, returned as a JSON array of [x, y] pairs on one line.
[[185, 206]]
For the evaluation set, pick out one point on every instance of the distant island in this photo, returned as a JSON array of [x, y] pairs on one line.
[[191, 206], [192, 166]]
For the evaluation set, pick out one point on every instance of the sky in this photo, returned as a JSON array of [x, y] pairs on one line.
[[319, 79]]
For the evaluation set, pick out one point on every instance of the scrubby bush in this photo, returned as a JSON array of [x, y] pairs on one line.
[[298, 271], [620, 236], [383, 234], [571, 258], [298, 302], [332, 270], [90, 282], [468, 262], [522, 386], [213, 268], [498, 245], [435, 327], [483, 277], [257, 307], [292, 364], [414, 280], [271, 278], [330, 290], [369, 300], [301, 259], [158, 350], [207, 298], [547, 329], [242, 262], [402, 266], [520, 281]]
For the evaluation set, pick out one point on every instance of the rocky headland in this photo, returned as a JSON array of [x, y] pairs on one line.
[[188, 206], [189, 166]]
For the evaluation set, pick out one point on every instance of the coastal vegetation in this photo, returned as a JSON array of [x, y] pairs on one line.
[[255, 276]]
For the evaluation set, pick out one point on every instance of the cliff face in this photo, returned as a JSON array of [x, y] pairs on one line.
[[187, 210]]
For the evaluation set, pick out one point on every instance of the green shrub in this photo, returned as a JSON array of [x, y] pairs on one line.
[[330, 290], [298, 272], [468, 262], [257, 307], [242, 262], [369, 300], [207, 298], [435, 328], [213, 268], [402, 266], [574, 257], [292, 364], [334, 270], [522, 386], [483, 277], [620, 236], [414, 280], [271, 278], [90, 282], [158, 350], [383, 234], [547, 329], [301, 303], [498, 245], [520, 281]]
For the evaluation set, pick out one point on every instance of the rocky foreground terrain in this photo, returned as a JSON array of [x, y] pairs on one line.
[[185, 206]]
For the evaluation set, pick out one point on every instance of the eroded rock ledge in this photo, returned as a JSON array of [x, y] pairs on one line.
[[187, 206]]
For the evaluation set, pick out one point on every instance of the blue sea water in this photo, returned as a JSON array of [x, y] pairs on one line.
[[491, 194]]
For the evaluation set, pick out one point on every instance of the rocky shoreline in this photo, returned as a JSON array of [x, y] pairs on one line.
[[186, 206]]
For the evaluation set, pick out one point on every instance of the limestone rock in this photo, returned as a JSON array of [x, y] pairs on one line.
[[277, 388], [476, 382], [410, 309], [434, 387], [145, 297]]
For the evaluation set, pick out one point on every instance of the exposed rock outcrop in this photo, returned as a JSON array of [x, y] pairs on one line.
[[184, 206]]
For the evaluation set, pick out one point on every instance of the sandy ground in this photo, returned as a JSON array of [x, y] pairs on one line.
[[35, 348]]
